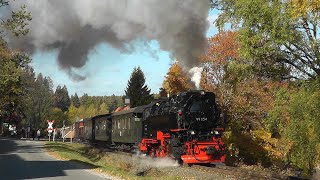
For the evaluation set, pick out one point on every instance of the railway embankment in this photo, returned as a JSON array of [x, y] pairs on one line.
[[134, 166], [128, 166]]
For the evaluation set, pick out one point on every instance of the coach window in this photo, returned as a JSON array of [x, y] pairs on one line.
[[118, 123], [129, 122]]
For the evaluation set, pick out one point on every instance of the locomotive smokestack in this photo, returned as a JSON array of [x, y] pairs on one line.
[[74, 28]]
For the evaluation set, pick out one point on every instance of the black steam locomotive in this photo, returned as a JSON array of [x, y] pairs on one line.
[[185, 127]]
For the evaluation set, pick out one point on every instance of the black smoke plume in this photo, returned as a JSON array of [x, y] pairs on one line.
[[74, 27]]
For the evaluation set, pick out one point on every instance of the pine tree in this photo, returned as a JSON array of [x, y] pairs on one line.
[[75, 100], [84, 100], [41, 100], [137, 91], [61, 98]]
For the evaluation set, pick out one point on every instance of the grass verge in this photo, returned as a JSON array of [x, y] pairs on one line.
[[119, 165]]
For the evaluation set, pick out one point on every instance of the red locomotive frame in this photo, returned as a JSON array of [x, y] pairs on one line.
[[195, 152]]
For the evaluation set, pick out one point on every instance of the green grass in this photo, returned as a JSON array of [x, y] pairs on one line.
[[103, 162]]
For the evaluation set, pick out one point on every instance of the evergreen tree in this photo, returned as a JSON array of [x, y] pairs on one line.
[[113, 103], [137, 91], [61, 98], [84, 100], [41, 100], [75, 100]]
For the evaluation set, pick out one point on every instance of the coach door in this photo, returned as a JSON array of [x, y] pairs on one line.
[[137, 122]]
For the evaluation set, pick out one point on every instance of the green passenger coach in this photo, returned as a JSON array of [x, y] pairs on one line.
[[102, 127], [127, 126]]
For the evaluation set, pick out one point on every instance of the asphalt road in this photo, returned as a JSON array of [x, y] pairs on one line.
[[25, 159]]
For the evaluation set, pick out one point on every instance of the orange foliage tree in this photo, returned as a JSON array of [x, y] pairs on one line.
[[245, 97], [223, 48], [176, 81]]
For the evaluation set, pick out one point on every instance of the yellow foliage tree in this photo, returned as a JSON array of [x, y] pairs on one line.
[[301, 8], [176, 80], [205, 83]]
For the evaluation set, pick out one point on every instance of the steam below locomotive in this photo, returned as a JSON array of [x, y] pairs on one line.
[[185, 127]]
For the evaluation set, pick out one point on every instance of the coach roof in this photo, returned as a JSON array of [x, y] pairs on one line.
[[138, 109]]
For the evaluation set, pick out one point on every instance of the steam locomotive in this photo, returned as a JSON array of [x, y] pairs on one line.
[[185, 127]]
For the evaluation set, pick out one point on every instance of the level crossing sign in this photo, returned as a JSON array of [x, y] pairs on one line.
[[50, 128]]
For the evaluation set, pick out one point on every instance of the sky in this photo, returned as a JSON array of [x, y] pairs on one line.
[[108, 70]]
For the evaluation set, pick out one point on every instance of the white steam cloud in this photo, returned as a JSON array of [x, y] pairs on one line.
[[196, 75], [75, 27]]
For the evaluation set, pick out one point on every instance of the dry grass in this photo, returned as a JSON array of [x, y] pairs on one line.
[[120, 165]]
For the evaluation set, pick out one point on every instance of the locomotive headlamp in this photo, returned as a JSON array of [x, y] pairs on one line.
[[202, 93], [216, 132], [192, 133]]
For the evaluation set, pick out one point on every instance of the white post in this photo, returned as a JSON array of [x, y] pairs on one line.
[[54, 134], [63, 134]]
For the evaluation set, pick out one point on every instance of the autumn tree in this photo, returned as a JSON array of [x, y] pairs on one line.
[[91, 111], [243, 95], [296, 117], [278, 41], [176, 80], [13, 65], [304, 127], [59, 117], [205, 82], [103, 109], [163, 92], [279, 38], [136, 90], [218, 62], [223, 49]]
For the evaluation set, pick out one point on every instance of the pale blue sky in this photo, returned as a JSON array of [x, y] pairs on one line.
[[108, 70]]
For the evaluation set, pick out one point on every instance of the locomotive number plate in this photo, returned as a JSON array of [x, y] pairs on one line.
[[202, 119]]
